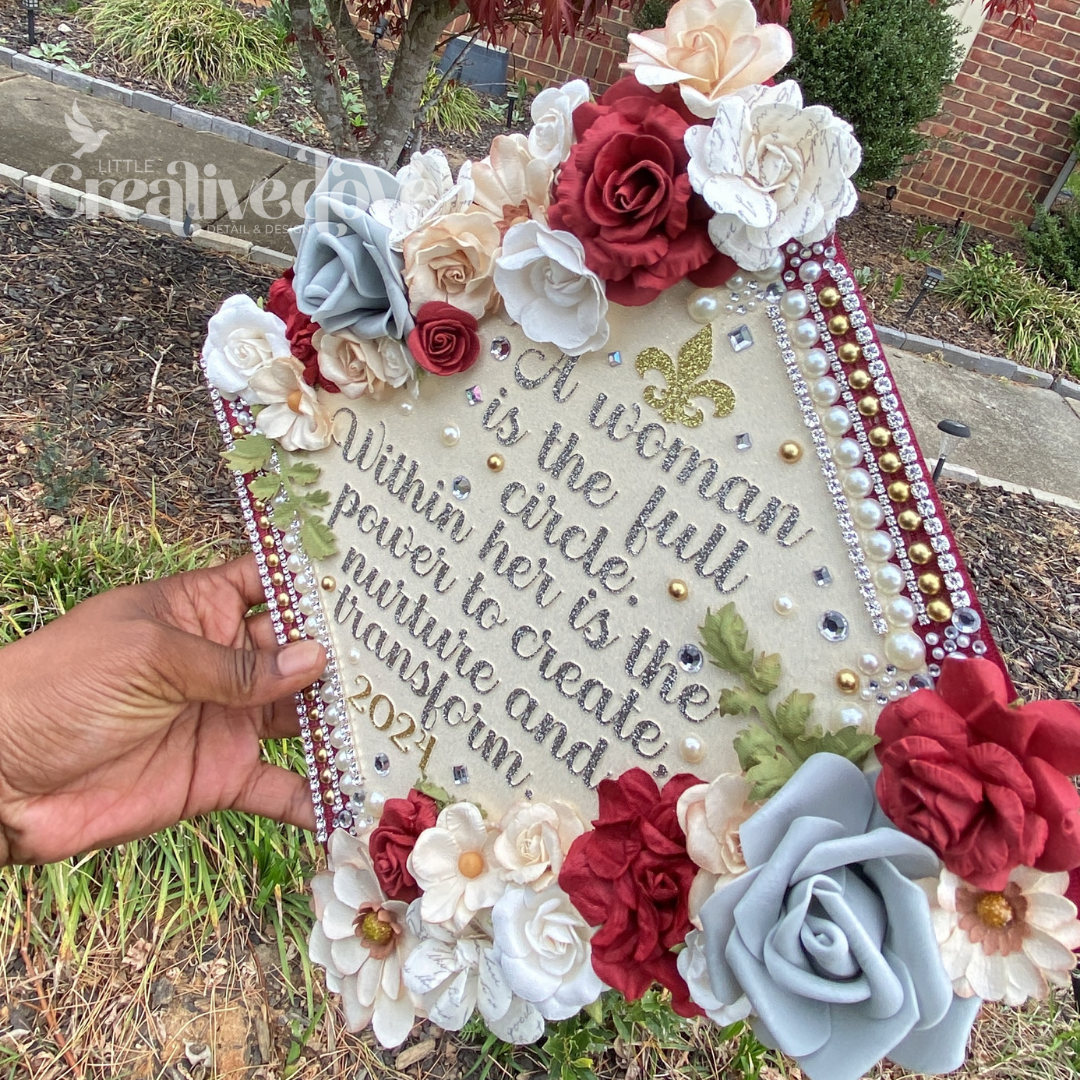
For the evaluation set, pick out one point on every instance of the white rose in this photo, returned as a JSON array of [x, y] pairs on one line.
[[552, 134], [772, 170], [359, 366], [241, 338], [549, 291], [292, 415], [544, 949], [692, 968], [534, 840]]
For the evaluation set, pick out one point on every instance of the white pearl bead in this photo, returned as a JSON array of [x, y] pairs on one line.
[[810, 271], [691, 749], [825, 391], [736, 282], [451, 434], [889, 579], [339, 736], [868, 513], [805, 333], [837, 421], [815, 362], [348, 786], [905, 649], [307, 605], [900, 611], [847, 453], [784, 605], [294, 563], [774, 269], [703, 305], [794, 304], [290, 541], [857, 482], [343, 759], [375, 803], [849, 716], [406, 407], [869, 663], [878, 546]]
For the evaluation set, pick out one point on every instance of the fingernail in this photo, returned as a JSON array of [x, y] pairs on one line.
[[298, 658]]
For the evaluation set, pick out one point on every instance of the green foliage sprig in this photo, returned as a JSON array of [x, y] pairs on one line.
[[254, 453], [782, 739]]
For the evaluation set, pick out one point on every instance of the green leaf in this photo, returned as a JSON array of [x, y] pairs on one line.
[[724, 638], [318, 539], [316, 498], [754, 744], [266, 487], [302, 472], [595, 1011], [793, 713], [249, 454], [848, 742], [768, 776], [433, 791], [284, 513], [736, 702], [764, 676]]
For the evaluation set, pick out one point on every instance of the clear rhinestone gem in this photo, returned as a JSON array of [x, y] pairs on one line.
[[741, 338], [614, 359], [500, 348], [474, 395], [822, 577], [461, 487], [382, 764], [833, 626], [978, 648], [690, 657], [461, 774], [743, 441], [967, 620]]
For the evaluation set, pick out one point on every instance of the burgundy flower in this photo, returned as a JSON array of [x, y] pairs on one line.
[[444, 341], [393, 839], [299, 329]]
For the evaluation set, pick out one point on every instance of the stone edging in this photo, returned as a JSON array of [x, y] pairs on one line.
[[961, 475]]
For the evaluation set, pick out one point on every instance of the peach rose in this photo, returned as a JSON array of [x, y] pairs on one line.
[[511, 184], [451, 260]]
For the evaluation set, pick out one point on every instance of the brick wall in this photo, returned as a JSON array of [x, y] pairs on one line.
[[594, 55], [1003, 134]]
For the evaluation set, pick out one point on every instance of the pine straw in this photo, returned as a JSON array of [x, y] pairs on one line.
[[99, 998]]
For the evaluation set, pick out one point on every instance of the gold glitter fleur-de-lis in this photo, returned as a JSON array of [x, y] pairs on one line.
[[673, 401]]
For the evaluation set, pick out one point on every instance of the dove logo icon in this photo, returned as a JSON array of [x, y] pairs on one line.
[[83, 132]]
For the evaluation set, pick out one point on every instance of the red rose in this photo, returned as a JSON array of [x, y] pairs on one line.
[[402, 821], [984, 784], [281, 301], [625, 194], [444, 340], [631, 876]]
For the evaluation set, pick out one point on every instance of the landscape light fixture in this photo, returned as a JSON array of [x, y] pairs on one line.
[[890, 193], [931, 280], [511, 101], [379, 30], [950, 430], [32, 8]]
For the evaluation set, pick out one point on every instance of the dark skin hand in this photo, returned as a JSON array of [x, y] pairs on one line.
[[144, 706]]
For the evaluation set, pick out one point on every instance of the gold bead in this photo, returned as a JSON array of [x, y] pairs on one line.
[[908, 520], [328, 583], [899, 491], [847, 682], [829, 296], [929, 584], [790, 451], [293, 634], [678, 590], [238, 431], [939, 610], [849, 353], [859, 379], [321, 755], [328, 798], [495, 462], [287, 615], [920, 553], [263, 522], [311, 694], [268, 542], [869, 405], [258, 506], [317, 734], [839, 325], [326, 776], [879, 436], [272, 560], [277, 579], [283, 599], [890, 462]]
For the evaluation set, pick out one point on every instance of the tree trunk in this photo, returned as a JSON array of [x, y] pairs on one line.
[[322, 77]]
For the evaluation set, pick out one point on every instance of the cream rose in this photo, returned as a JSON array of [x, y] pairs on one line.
[[534, 839], [710, 48], [552, 113], [451, 259], [358, 366], [241, 338], [292, 414], [772, 170], [511, 184]]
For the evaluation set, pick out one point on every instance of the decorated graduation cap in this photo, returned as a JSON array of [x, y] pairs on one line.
[[652, 659]]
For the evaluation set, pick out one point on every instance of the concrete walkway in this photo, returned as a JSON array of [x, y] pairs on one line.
[[1024, 436]]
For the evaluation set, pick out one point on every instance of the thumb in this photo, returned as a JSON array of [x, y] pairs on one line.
[[201, 670]]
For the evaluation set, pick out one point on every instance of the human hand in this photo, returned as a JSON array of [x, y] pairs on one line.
[[144, 706]]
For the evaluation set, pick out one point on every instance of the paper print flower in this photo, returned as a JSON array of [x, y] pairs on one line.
[[241, 338], [631, 876], [347, 275], [299, 329], [693, 969], [552, 113], [363, 940], [454, 973], [709, 48], [829, 937], [984, 784], [549, 291], [625, 194], [451, 260], [511, 185], [772, 170], [533, 841], [1009, 945], [392, 840], [454, 866], [543, 946], [359, 367], [292, 415], [445, 341]]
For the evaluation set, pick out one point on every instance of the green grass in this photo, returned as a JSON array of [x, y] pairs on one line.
[[182, 879]]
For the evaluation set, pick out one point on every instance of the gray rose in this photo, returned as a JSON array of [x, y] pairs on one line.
[[347, 275], [829, 937]]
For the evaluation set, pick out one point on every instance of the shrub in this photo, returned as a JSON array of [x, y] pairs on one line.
[[651, 14], [882, 68], [201, 41], [1052, 245]]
